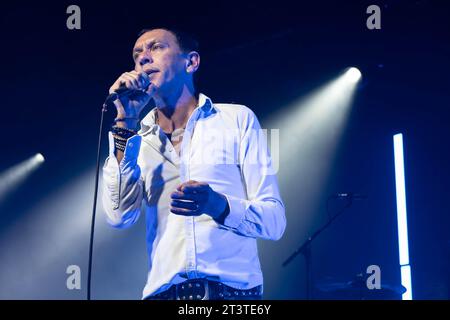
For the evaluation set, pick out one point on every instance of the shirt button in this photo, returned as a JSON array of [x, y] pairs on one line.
[[130, 144]]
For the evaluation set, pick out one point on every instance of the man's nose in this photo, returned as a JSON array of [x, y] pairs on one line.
[[145, 58]]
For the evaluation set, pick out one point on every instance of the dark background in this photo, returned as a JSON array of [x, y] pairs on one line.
[[54, 81]]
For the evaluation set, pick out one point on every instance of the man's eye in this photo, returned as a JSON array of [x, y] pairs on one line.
[[157, 46]]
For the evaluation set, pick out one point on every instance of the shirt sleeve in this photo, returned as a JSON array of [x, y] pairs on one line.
[[122, 185], [262, 213]]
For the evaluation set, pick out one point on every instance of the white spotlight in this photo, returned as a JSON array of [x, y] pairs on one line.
[[311, 131], [353, 74], [39, 158], [16, 175]]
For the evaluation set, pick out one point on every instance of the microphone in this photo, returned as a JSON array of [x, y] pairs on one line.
[[350, 195], [123, 90]]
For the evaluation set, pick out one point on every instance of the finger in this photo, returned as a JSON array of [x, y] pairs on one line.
[[198, 197], [187, 182], [184, 212], [119, 107], [116, 85], [131, 82], [141, 77], [125, 81], [144, 78], [195, 188], [191, 205], [184, 184]]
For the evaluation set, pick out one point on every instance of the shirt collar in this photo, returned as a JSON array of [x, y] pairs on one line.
[[205, 105]]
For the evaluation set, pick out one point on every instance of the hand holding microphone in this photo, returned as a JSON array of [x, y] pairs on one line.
[[130, 94]]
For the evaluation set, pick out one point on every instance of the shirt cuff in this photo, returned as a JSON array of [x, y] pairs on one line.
[[236, 215]]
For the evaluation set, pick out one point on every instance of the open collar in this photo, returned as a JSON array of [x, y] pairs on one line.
[[148, 123]]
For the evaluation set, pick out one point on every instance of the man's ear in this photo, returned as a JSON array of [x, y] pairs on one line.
[[193, 61]]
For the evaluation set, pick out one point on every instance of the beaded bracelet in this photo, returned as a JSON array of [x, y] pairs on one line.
[[120, 148], [119, 144], [116, 128], [119, 138], [120, 141], [124, 133]]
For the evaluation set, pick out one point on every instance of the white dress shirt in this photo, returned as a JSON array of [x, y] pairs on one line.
[[222, 145]]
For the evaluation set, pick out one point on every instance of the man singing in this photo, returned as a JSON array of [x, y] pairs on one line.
[[203, 171]]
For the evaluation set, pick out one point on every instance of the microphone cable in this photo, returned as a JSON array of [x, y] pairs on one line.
[[94, 207]]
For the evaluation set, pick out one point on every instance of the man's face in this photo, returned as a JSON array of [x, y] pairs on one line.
[[158, 54]]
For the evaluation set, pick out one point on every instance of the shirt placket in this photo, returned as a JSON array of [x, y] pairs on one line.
[[191, 261]]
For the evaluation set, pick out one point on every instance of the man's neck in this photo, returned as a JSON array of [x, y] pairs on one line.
[[175, 110]]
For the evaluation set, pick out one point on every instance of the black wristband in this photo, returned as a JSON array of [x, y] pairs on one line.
[[124, 133], [123, 119], [120, 144]]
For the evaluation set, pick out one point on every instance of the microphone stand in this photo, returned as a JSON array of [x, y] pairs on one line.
[[305, 250], [91, 243]]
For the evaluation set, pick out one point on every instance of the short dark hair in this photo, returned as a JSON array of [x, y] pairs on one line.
[[186, 41]]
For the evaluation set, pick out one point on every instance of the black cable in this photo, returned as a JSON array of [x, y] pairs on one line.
[[91, 243]]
